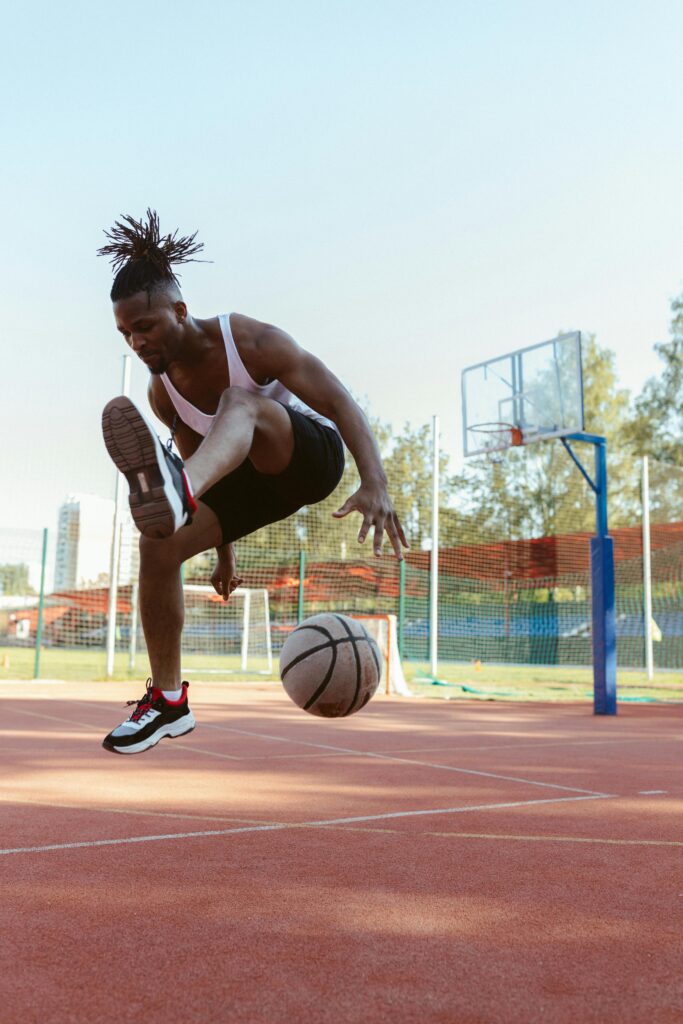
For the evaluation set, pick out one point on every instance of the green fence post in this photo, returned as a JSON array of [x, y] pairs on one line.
[[41, 605], [401, 604], [302, 571]]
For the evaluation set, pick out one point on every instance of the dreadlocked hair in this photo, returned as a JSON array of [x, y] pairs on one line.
[[142, 258]]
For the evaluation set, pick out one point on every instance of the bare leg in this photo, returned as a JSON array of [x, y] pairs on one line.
[[162, 608], [246, 426]]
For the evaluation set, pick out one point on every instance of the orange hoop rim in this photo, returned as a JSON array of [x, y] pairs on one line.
[[501, 431]]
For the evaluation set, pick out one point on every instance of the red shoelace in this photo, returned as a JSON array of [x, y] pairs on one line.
[[143, 705]]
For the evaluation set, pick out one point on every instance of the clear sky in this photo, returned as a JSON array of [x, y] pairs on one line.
[[406, 188]]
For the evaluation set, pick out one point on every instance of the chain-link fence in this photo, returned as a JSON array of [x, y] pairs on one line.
[[511, 590]]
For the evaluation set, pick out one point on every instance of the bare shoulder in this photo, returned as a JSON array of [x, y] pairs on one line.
[[263, 347], [159, 400]]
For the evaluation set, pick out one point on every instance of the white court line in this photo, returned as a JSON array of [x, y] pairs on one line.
[[98, 732], [558, 839], [533, 746], [356, 753], [405, 750], [488, 775], [284, 826], [405, 760], [332, 750], [207, 753], [280, 739], [54, 718], [462, 749], [24, 682], [513, 837], [13, 800]]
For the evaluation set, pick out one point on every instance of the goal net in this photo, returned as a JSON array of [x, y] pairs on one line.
[[384, 630], [225, 637]]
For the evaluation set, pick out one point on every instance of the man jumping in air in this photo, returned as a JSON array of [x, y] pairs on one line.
[[259, 423]]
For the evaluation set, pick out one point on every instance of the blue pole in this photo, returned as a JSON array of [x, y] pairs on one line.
[[604, 631], [601, 488], [602, 584]]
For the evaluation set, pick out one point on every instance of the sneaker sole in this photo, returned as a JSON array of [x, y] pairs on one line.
[[154, 503], [166, 732]]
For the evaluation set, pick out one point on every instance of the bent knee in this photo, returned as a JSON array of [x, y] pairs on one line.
[[159, 552], [235, 395]]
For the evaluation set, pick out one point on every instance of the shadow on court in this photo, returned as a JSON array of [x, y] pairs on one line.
[[424, 862]]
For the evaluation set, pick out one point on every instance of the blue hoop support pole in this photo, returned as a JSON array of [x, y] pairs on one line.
[[604, 631]]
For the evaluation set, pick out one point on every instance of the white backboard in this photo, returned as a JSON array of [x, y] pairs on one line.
[[524, 396]]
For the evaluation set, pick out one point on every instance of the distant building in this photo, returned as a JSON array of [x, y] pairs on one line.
[[84, 536]]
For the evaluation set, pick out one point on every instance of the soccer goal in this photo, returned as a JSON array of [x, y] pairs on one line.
[[384, 629], [226, 637]]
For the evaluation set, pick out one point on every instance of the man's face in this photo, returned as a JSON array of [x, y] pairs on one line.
[[153, 329]]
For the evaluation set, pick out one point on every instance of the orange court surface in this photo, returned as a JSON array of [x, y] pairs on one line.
[[418, 862]]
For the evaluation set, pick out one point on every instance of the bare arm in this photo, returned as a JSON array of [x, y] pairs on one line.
[[277, 355]]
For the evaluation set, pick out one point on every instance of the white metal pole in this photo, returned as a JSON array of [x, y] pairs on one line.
[[133, 639], [434, 568], [647, 570], [269, 643], [116, 545], [245, 630]]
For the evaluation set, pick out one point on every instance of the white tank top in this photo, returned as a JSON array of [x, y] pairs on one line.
[[201, 421]]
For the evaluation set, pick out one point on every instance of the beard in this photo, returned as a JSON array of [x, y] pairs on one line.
[[157, 367]]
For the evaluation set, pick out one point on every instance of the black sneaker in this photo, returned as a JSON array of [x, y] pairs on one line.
[[153, 718], [160, 497]]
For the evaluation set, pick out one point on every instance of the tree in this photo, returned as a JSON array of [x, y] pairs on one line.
[[14, 580], [407, 458], [409, 466], [656, 427], [533, 491]]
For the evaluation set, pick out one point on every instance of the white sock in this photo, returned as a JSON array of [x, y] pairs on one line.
[[173, 694]]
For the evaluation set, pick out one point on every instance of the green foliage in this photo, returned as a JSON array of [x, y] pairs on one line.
[[656, 427], [534, 491], [14, 580], [666, 492], [407, 460]]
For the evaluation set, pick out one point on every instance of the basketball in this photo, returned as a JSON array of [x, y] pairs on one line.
[[330, 665]]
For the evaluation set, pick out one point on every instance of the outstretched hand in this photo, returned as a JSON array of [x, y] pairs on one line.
[[224, 578], [374, 504]]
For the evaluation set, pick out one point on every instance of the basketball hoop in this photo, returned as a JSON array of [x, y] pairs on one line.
[[522, 397], [497, 436]]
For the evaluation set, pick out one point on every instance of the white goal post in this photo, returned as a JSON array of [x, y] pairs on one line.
[[216, 631], [384, 629]]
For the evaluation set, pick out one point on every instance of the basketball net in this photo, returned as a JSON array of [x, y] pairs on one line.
[[495, 437]]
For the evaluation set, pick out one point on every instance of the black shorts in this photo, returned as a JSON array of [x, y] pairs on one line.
[[245, 500]]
